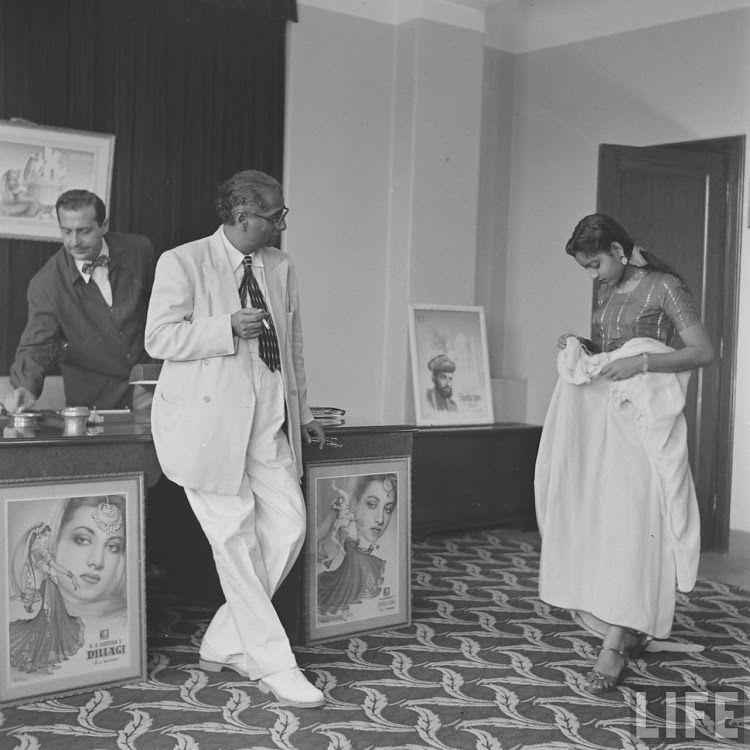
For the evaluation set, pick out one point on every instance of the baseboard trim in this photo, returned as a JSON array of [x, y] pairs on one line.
[[739, 542]]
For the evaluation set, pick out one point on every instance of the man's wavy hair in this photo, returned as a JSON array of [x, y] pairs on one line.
[[75, 200], [246, 188]]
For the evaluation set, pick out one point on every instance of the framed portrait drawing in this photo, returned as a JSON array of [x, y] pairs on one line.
[[358, 548], [450, 366], [72, 611], [37, 164]]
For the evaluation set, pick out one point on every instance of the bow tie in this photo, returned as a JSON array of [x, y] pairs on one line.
[[102, 260]]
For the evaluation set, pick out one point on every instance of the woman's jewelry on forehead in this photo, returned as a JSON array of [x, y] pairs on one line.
[[107, 517], [388, 486]]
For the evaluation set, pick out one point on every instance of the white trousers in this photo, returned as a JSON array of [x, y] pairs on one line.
[[255, 536]]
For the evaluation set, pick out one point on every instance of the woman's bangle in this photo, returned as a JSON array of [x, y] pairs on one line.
[[644, 362]]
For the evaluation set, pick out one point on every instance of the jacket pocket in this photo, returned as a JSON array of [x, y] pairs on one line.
[[172, 399]]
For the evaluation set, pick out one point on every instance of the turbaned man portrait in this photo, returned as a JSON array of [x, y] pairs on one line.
[[440, 396]]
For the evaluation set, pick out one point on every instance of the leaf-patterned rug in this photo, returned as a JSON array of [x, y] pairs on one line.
[[484, 665]]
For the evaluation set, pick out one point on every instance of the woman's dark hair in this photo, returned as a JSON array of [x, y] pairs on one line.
[[596, 233]]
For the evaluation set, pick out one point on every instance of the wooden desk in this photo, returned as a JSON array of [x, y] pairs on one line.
[[43, 452], [463, 477], [473, 477]]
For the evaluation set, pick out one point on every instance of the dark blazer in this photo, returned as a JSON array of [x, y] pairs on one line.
[[70, 323]]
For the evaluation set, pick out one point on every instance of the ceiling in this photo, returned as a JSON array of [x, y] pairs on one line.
[[525, 25]]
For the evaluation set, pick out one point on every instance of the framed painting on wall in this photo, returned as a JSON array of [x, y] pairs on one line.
[[37, 164], [358, 548], [450, 365], [72, 611]]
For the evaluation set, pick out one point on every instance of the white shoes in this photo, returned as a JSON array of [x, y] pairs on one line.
[[292, 688], [289, 687], [216, 666]]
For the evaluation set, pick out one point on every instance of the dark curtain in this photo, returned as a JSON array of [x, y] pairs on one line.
[[192, 89], [272, 9]]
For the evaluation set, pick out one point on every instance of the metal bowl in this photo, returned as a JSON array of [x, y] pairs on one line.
[[74, 412], [75, 419], [25, 418]]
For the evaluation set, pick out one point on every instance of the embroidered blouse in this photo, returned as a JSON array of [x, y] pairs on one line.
[[659, 307]]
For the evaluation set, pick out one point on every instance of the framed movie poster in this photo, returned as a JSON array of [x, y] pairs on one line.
[[72, 611], [37, 164], [358, 549], [450, 366]]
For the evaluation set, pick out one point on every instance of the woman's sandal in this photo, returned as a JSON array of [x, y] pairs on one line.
[[598, 682], [640, 642], [639, 647]]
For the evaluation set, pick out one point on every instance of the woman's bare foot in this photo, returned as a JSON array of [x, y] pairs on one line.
[[610, 661]]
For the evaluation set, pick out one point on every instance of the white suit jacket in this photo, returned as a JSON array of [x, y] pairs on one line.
[[202, 411]]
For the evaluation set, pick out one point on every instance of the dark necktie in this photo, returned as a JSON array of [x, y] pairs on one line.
[[102, 260], [268, 344]]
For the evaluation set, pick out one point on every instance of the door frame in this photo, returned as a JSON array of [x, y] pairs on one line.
[[732, 149]]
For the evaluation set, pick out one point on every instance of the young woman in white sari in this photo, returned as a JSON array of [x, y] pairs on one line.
[[616, 504]]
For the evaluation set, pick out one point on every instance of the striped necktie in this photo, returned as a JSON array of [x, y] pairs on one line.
[[268, 344]]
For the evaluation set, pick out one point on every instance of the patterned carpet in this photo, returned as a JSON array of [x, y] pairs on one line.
[[485, 665]]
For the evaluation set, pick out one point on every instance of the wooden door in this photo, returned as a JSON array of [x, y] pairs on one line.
[[674, 203]]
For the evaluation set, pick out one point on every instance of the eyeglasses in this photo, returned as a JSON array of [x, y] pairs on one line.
[[278, 221]]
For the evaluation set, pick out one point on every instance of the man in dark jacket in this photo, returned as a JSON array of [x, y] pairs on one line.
[[87, 311]]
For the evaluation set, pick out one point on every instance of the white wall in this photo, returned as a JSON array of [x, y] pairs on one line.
[[435, 180], [494, 197], [526, 25], [383, 114], [676, 82], [381, 174], [337, 183]]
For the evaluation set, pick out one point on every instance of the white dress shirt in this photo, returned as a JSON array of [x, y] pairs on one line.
[[100, 275], [235, 259]]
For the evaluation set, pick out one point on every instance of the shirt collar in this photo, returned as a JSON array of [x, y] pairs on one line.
[[81, 263], [235, 256]]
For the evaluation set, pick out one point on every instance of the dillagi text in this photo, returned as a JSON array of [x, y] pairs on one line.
[[105, 649]]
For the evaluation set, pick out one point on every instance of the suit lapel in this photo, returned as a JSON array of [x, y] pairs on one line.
[[275, 270], [220, 281], [219, 276]]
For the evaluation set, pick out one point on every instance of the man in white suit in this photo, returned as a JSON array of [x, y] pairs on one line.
[[224, 316]]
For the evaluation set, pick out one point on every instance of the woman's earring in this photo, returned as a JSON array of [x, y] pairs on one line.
[[623, 260]]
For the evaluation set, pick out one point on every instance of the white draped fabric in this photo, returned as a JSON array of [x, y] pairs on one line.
[[615, 499]]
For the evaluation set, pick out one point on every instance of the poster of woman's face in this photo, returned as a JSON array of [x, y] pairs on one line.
[[71, 599], [357, 562], [93, 549]]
